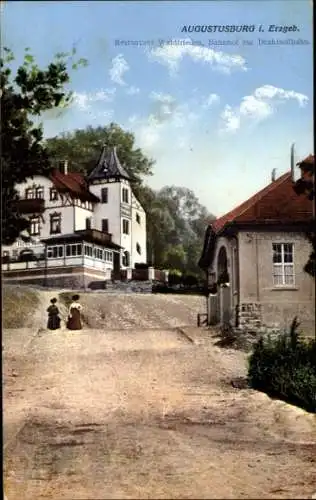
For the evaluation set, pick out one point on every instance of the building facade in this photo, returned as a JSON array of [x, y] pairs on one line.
[[254, 258], [91, 227]]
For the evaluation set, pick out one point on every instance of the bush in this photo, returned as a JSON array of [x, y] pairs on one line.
[[174, 278], [27, 257], [189, 280], [285, 367]]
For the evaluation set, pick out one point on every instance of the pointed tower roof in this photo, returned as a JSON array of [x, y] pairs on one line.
[[108, 166]]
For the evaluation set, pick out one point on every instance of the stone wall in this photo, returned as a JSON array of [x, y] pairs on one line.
[[73, 281], [249, 315], [254, 320]]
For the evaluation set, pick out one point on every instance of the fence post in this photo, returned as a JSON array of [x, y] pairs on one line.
[[221, 308], [166, 273], [151, 273], [212, 317]]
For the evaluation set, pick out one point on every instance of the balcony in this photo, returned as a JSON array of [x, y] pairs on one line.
[[95, 235], [30, 205]]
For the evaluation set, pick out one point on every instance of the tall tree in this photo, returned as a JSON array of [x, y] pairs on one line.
[[190, 221], [305, 186], [82, 148], [175, 218], [24, 97]]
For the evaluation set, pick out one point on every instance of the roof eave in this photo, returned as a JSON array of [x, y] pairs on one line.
[[232, 228]]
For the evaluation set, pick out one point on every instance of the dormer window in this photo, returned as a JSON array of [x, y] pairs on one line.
[[30, 193], [34, 193], [39, 193], [53, 194]]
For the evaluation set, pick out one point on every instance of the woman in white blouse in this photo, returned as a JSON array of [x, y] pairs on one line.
[[74, 316]]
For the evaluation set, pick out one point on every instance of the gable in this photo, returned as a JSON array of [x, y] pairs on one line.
[[277, 203]]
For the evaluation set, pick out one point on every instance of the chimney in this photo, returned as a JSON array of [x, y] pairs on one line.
[[273, 175], [63, 167], [292, 163], [66, 167]]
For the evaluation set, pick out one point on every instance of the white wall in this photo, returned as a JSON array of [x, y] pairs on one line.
[[67, 215], [38, 180], [73, 218], [116, 211], [139, 233], [81, 214], [109, 210]]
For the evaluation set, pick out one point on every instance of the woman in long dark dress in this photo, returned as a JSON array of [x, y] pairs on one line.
[[74, 317], [53, 316]]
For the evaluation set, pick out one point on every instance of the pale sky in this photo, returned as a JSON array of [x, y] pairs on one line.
[[216, 118]]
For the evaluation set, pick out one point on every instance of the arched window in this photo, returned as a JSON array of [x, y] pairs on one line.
[[222, 271]]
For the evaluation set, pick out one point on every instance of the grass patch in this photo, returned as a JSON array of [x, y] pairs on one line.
[[285, 368], [19, 305]]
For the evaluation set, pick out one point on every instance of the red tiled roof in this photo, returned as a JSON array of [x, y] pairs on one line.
[[310, 160], [276, 203], [73, 183]]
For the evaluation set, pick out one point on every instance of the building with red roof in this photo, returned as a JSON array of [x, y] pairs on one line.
[[255, 254], [82, 228]]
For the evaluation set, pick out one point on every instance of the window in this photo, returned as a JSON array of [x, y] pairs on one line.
[[30, 193], [137, 218], [108, 256], [55, 252], [283, 264], [74, 250], [104, 195], [34, 226], [125, 195], [88, 223], [53, 194], [55, 223], [105, 225], [98, 253], [39, 192], [138, 249], [125, 226], [88, 250]]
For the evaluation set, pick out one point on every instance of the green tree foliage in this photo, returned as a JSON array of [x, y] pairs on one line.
[[306, 187], [176, 221], [186, 235], [285, 367], [82, 148], [24, 97]]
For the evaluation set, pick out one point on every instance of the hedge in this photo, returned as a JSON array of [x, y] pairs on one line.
[[285, 367]]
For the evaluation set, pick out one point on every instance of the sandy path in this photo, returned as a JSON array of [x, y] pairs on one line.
[[144, 413]]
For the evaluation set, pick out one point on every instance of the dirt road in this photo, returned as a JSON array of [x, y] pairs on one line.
[[142, 412]]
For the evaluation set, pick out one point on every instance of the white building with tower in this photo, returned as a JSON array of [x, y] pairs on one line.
[[82, 229]]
